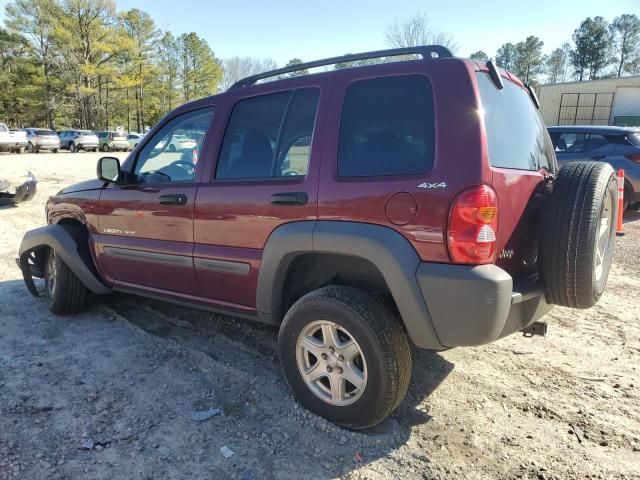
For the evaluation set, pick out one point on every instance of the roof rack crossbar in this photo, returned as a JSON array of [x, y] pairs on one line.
[[428, 52]]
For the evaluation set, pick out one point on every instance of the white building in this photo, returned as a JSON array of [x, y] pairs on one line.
[[610, 101]]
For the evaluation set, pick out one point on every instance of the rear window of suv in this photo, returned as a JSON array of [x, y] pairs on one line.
[[387, 127], [516, 135]]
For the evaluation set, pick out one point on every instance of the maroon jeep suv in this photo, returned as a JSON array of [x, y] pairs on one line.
[[362, 210]]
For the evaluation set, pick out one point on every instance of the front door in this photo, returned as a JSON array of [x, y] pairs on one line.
[[266, 175], [146, 226]]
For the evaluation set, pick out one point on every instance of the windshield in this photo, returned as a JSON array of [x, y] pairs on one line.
[[44, 132], [3, 128], [85, 132]]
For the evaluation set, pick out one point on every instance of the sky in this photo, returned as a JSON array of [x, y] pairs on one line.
[[284, 29]]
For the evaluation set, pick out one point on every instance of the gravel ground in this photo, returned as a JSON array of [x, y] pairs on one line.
[[110, 393]]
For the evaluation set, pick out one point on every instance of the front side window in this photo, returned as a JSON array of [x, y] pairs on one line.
[[269, 136], [172, 153], [387, 127]]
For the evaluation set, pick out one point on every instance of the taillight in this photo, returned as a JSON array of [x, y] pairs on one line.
[[473, 226], [634, 157]]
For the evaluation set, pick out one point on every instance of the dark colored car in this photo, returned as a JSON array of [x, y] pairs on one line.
[[618, 146], [359, 210], [76, 140]]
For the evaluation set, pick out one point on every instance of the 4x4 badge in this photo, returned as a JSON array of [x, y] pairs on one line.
[[432, 185]]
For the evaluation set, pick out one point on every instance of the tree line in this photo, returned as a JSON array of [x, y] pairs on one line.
[[83, 64], [599, 50]]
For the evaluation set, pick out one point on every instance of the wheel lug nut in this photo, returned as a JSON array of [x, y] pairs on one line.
[[339, 370], [324, 356], [329, 368], [331, 349], [341, 358]]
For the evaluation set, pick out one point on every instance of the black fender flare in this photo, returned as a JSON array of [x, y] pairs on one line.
[[63, 239], [388, 250]]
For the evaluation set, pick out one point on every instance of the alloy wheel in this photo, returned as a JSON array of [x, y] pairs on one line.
[[331, 363]]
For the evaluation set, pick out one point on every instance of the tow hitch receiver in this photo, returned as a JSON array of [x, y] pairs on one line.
[[536, 328]]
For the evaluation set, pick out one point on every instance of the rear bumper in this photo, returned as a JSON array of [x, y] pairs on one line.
[[474, 305], [22, 193], [87, 145]]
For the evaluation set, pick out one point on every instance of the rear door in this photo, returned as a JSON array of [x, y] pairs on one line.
[[265, 175], [146, 226], [521, 154]]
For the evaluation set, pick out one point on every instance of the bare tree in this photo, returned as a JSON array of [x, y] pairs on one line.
[[236, 68], [416, 30]]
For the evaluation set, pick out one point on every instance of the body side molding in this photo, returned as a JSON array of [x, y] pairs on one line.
[[387, 249], [64, 240]]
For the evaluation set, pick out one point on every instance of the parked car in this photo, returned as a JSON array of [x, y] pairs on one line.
[[617, 146], [400, 222], [181, 142], [76, 140], [110, 140], [42, 139], [134, 139], [12, 140]]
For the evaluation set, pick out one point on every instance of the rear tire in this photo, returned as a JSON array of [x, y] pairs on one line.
[[381, 365], [72, 147], [578, 234], [66, 294]]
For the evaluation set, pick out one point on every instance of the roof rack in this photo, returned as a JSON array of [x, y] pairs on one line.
[[428, 52]]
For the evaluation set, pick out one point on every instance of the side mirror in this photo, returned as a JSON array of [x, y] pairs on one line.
[[108, 169]]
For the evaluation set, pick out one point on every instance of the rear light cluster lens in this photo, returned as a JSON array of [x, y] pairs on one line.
[[473, 226], [634, 157]]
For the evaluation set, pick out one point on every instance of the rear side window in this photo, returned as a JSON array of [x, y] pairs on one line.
[[269, 136], [387, 127], [516, 135]]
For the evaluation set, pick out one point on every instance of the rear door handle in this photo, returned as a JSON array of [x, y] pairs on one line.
[[173, 199], [598, 157], [290, 198]]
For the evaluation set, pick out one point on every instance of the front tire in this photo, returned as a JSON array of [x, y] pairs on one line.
[[72, 147], [345, 356], [65, 293]]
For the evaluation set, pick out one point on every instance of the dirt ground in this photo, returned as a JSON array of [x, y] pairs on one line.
[[110, 393]]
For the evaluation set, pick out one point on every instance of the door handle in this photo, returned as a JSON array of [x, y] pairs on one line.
[[598, 157], [173, 199], [290, 198]]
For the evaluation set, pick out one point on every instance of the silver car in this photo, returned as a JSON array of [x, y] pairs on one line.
[[42, 139], [76, 140]]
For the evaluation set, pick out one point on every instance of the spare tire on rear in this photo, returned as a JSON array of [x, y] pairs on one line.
[[578, 234]]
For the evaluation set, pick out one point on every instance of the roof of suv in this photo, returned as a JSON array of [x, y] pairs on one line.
[[604, 130]]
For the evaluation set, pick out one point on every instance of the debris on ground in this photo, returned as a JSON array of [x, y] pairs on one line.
[[226, 452], [203, 415]]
